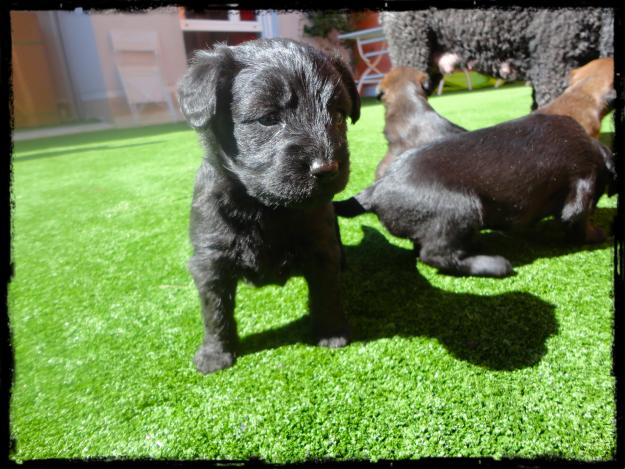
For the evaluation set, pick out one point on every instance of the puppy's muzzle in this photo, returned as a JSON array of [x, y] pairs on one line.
[[324, 170]]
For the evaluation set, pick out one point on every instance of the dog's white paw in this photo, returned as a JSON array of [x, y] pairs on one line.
[[489, 266], [208, 361], [333, 342]]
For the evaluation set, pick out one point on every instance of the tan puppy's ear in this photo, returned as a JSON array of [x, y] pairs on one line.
[[422, 80], [426, 83], [379, 92]]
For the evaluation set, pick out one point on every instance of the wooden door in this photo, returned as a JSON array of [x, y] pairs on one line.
[[34, 94]]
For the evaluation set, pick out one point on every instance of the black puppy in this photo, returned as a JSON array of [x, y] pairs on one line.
[[272, 117], [509, 175]]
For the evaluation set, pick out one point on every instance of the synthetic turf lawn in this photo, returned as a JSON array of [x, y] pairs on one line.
[[105, 320]]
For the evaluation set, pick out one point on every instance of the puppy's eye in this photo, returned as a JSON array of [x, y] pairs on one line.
[[272, 118]]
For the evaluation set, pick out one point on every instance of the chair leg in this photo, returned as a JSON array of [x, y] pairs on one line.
[[134, 111], [468, 79], [170, 106], [439, 89]]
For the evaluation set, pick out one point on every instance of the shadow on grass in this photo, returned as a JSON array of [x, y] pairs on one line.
[[52, 154], [97, 137], [385, 296]]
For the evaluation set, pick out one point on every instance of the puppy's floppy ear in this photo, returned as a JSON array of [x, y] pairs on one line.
[[609, 98], [426, 84], [434, 77], [207, 82], [422, 81], [348, 81]]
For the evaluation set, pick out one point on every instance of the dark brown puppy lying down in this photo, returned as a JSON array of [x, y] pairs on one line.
[[509, 175]]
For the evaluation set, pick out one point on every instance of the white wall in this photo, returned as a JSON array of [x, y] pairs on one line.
[[290, 25], [83, 62]]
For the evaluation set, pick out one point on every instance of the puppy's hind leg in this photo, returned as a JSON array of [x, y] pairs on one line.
[[455, 261], [444, 247], [576, 211], [445, 236], [217, 293]]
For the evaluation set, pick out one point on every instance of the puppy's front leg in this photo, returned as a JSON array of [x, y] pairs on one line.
[[217, 291], [322, 273]]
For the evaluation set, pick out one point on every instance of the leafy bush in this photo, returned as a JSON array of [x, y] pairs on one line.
[[321, 23]]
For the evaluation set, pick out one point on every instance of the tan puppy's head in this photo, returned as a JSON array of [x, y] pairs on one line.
[[595, 79], [589, 96], [403, 81], [409, 120]]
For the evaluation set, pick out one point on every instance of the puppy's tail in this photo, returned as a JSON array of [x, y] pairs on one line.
[[353, 206]]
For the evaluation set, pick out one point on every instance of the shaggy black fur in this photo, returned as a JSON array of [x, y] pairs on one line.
[[272, 117], [541, 45], [506, 176]]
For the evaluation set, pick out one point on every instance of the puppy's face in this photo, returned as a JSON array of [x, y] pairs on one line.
[[401, 82], [277, 110]]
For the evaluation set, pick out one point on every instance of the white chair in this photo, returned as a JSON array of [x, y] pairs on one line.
[[467, 77], [372, 75], [137, 59]]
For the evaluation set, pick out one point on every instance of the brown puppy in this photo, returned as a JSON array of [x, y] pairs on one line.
[[410, 120], [504, 177], [589, 96]]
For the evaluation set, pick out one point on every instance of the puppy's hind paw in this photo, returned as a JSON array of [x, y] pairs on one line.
[[333, 342], [208, 360], [489, 266], [594, 235]]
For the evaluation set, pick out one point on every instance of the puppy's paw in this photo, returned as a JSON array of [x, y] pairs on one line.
[[593, 234], [208, 360], [489, 266], [333, 342]]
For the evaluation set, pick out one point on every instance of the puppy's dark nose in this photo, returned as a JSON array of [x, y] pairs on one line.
[[324, 170]]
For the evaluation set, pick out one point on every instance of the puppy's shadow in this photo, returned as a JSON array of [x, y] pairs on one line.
[[385, 296], [546, 239]]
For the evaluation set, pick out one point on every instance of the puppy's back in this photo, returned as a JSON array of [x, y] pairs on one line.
[[523, 167], [512, 148]]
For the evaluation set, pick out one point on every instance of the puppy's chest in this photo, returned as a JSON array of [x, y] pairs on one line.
[[269, 252]]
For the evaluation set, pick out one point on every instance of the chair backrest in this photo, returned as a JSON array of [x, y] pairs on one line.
[[135, 41], [136, 55], [372, 48]]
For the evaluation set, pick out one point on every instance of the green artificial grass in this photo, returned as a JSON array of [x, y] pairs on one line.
[[457, 81], [105, 320]]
